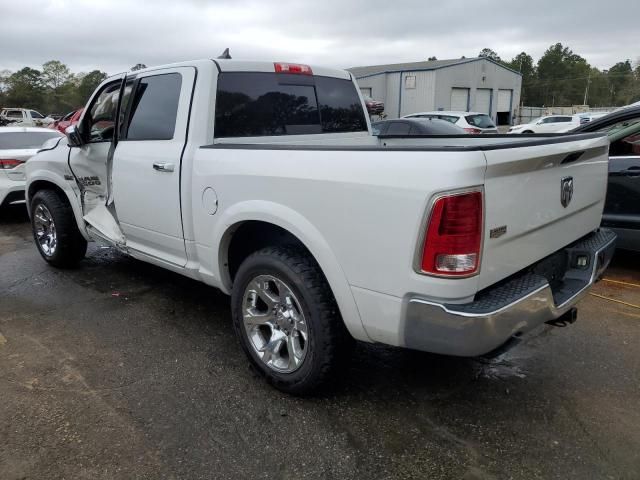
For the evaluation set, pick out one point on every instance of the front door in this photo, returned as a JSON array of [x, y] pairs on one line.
[[91, 163], [146, 163]]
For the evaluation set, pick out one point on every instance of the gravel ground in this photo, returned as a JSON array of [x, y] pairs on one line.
[[121, 370]]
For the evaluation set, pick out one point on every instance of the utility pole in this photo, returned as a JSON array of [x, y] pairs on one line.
[[586, 90]]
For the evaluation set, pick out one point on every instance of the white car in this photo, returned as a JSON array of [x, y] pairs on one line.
[[17, 144], [263, 179], [471, 122], [548, 124], [23, 117]]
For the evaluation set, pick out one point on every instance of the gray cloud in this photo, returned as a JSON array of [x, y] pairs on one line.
[[116, 34]]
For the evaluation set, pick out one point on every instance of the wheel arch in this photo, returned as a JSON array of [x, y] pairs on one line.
[[37, 183], [265, 220]]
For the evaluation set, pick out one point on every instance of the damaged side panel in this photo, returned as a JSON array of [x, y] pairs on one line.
[[91, 164]]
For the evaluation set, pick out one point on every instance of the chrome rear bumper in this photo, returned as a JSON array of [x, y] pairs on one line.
[[509, 309]]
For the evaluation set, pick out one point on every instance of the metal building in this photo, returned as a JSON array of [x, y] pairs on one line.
[[466, 84]]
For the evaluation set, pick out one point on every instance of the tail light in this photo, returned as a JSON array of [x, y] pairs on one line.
[[473, 131], [293, 68], [454, 235], [9, 163]]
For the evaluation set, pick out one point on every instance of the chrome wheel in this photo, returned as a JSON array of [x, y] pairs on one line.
[[274, 323], [45, 230]]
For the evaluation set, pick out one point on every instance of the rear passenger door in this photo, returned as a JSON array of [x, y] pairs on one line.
[[146, 163]]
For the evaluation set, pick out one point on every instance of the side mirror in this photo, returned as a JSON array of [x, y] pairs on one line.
[[74, 139]]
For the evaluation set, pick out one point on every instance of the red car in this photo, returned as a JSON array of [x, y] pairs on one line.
[[374, 107], [68, 120]]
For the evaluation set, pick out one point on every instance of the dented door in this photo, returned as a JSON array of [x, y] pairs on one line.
[[91, 163]]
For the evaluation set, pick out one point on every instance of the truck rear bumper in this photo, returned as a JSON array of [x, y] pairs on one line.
[[509, 309]]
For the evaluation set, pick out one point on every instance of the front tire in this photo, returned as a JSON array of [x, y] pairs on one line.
[[287, 320], [55, 230]]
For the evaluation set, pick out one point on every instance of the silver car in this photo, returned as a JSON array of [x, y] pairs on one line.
[[17, 145]]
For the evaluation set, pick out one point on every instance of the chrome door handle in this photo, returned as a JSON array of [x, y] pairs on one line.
[[163, 167]]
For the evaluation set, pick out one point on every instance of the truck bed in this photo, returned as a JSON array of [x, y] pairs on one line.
[[401, 142]]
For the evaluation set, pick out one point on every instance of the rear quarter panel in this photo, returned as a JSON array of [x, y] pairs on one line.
[[367, 206]]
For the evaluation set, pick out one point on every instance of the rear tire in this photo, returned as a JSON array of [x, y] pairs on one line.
[[287, 320], [55, 231], [528, 131]]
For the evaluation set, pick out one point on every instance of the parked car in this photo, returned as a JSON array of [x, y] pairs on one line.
[[548, 124], [589, 117], [416, 126], [472, 122], [17, 144], [69, 119], [22, 117], [321, 232], [374, 107], [622, 207]]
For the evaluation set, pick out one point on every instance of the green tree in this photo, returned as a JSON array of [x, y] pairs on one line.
[[598, 94], [621, 83], [488, 53], [523, 63], [55, 74], [24, 89], [88, 83], [562, 76], [57, 80]]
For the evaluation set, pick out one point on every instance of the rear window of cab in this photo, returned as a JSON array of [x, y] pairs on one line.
[[480, 121], [253, 104]]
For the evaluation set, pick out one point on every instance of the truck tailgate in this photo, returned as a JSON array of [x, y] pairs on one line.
[[527, 217]]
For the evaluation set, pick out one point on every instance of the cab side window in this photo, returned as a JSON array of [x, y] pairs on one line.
[[625, 147], [154, 108], [101, 118]]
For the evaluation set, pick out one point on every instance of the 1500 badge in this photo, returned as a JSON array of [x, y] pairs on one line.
[[89, 181], [497, 232]]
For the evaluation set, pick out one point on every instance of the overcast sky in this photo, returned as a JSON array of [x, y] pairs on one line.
[[113, 35]]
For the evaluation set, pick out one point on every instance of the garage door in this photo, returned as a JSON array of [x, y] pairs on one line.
[[483, 101], [459, 99], [504, 101]]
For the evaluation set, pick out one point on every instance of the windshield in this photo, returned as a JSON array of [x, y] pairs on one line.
[[25, 140], [480, 121]]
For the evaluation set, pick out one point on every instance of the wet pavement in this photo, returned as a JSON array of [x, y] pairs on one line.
[[121, 370]]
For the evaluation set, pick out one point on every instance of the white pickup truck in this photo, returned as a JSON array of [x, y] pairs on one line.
[[263, 180], [22, 117]]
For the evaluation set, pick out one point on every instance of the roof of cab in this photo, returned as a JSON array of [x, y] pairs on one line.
[[243, 66], [249, 66]]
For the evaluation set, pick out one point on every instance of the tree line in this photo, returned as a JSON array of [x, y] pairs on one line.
[[559, 78], [564, 78], [51, 89]]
